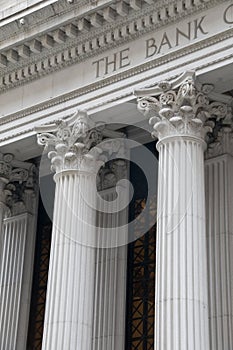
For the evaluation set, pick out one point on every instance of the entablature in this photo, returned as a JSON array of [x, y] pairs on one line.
[[36, 43], [102, 80]]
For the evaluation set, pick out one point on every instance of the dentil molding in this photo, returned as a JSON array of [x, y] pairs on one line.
[[65, 33]]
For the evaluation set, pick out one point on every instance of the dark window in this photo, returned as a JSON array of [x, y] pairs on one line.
[[141, 264], [40, 277]]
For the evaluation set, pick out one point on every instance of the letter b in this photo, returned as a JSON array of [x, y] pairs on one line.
[[151, 48]]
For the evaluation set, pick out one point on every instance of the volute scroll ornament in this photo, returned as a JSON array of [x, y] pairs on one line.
[[182, 107], [72, 143]]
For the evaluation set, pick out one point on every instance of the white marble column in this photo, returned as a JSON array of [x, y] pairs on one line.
[[219, 210], [17, 251], [179, 113], [111, 264], [14, 238], [71, 283], [181, 280], [3, 210]]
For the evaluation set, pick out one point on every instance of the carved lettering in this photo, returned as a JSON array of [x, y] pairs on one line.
[[180, 33], [110, 64], [97, 63], [170, 40], [164, 41], [198, 27], [124, 58], [228, 13], [151, 47], [160, 43]]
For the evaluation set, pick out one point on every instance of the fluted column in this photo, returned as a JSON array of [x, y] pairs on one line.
[[3, 210], [179, 113], [70, 294], [181, 281], [219, 210], [18, 207], [111, 262]]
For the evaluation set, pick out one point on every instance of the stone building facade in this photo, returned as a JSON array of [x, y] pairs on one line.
[[116, 161]]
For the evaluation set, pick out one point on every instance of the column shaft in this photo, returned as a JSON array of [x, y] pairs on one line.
[[2, 211], [219, 201], [18, 201], [183, 114], [75, 296], [110, 289], [181, 317], [16, 235], [70, 295]]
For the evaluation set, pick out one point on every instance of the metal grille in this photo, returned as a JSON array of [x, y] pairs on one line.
[[141, 286], [141, 259], [37, 312]]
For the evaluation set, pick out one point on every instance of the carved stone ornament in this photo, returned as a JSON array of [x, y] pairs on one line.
[[17, 185], [223, 144], [72, 143], [182, 107], [115, 168], [38, 44]]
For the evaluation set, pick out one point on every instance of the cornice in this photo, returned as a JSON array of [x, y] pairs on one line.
[[46, 14], [30, 130], [69, 42], [164, 60]]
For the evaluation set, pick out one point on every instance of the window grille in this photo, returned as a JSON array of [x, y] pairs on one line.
[[141, 265], [40, 277]]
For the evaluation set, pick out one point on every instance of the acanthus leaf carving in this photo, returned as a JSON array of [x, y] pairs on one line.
[[180, 108], [73, 143]]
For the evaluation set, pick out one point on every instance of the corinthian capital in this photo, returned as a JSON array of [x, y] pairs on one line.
[[182, 107], [72, 143], [17, 184]]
